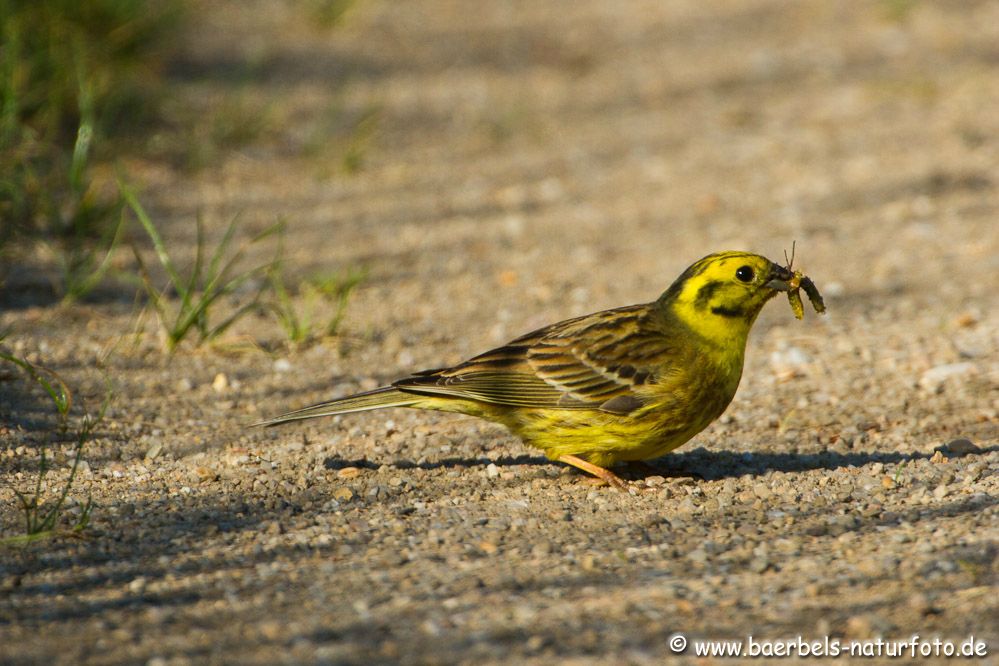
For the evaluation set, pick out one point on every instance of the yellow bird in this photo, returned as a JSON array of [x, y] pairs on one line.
[[627, 384]]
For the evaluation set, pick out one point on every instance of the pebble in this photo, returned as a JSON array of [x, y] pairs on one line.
[[221, 383], [960, 447], [920, 603], [698, 555], [789, 363], [153, 452], [866, 626], [932, 380]]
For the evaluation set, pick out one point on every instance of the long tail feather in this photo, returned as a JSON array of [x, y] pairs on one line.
[[386, 396]]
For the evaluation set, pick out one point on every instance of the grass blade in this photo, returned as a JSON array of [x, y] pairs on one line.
[[147, 224]]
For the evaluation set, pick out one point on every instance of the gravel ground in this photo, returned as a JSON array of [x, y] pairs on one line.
[[529, 163]]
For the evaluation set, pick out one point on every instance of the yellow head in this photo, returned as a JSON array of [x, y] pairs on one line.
[[720, 296]]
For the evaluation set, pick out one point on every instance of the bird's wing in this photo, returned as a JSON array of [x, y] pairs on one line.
[[598, 361]]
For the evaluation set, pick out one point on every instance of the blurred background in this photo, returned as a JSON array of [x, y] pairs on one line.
[[421, 139]]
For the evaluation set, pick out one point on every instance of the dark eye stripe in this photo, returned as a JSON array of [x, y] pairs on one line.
[[705, 293]]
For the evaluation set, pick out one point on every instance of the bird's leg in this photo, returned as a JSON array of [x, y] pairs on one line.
[[601, 473]]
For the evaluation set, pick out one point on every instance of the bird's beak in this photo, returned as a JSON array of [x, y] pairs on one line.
[[779, 278]]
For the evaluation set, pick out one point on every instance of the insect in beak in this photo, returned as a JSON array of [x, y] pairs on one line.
[[780, 278], [793, 282]]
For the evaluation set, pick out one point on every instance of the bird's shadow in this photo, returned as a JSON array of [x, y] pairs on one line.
[[700, 463]]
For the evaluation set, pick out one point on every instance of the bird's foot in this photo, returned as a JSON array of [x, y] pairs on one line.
[[601, 473]]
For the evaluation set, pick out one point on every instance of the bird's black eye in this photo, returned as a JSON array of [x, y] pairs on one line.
[[744, 274]]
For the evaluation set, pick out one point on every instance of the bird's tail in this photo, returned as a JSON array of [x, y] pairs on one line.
[[386, 396]]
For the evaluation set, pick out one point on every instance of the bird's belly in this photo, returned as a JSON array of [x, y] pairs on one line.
[[604, 438]]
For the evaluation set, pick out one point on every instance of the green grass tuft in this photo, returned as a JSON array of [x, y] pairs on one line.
[[204, 284], [329, 295], [41, 519]]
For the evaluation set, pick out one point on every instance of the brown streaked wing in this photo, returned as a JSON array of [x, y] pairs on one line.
[[600, 360], [499, 388], [591, 362], [499, 376]]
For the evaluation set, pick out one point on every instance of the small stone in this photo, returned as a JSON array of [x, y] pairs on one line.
[[859, 627], [205, 474], [868, 625], [541, 549], [920, 603], [271, 629], [933, 379], [789, 363], [343, 494], [282, 365], [762, 491], [698, 555], [488, 547], [940, 491], [938, 458], [870, 568], [817, 529], [184, 385], [220, 383], [349, 473], [154, 451], [654, 480], [966, 320], [685, 606], [759, 564], [960, 447], [492, 471], [887, 482]]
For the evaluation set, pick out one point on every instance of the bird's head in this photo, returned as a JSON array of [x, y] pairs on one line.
[[720, 296]]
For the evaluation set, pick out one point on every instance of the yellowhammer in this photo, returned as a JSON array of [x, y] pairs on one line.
[[631, 383]]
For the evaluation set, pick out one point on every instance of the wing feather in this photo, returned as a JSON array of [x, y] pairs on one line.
[[599, 361]]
